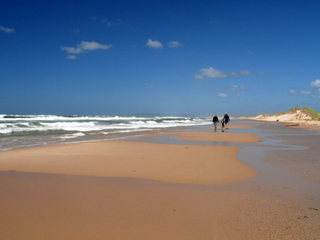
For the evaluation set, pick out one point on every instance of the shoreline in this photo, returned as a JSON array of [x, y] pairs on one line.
[[143, 190]]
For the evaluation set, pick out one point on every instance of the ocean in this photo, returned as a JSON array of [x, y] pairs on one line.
[[24, 131]]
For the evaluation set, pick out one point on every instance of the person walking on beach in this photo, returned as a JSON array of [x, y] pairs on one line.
[[215, 121], [226, 119], [222, 124]]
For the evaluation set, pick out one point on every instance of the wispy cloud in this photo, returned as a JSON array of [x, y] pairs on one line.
[[6, 30], [72, 57], [223, 95], [210, 73], [111, 23], [72, 50], [238, 88], [260, 74], [93, 46], [243, 72], [214, 73], [108, 22], [83, 47], [203, 82], [174, 44], [292, 91], [154, 44], [234, 88]]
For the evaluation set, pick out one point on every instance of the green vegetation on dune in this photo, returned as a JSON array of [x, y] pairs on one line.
[[312, 112], [291, 111], [295, 109]]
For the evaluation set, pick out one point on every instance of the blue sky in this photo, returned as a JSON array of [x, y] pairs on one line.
[[162, 57]]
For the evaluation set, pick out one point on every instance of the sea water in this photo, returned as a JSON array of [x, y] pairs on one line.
[[23, 131]]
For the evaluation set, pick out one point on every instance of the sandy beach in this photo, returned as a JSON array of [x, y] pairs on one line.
[[161, 162], [291, 120], [144, 190]]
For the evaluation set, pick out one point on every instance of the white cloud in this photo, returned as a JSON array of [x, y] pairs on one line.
[[292, 91], [210, 73], [154, 44], [315, 84], [92, 46], [214, 73], [72, 50], [222, 95], [233, 74], [242, 72], [6, 30], [238, 88], [72, 57], [197, 76], [84, 46], [246, 72], [174, 44]]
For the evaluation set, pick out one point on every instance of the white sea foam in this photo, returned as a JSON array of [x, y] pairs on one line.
[[18, 131], [75, 135], [40, 123]]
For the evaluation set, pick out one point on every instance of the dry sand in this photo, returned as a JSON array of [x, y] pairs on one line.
[[290, 120], [134, 190]]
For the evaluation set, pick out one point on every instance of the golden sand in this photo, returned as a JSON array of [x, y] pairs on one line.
[[134, 190], [163, 162]]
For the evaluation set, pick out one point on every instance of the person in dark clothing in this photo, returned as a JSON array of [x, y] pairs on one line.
[[226, 119], [222, 124], [215, 121]]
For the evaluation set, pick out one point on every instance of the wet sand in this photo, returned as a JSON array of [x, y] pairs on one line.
[[163, 162], [304, 163], [138, 190]]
